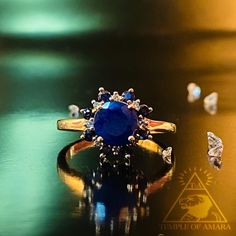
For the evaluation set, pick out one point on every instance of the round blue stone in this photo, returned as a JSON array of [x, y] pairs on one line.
[[115, 122]]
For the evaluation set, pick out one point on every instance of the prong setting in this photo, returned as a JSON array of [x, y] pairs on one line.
[[137, 131]]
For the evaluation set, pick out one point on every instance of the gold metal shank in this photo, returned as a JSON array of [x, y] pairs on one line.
[[155, 127], [150, 146], [72, 124], [159, 127]]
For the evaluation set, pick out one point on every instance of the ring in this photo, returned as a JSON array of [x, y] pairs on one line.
[[116, 123]]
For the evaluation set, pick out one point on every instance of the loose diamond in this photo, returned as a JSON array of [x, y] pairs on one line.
[[194, 92], [166, 155], [211, 102], [74, 111], [215, 150]]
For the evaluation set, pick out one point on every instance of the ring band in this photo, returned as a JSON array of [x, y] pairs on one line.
[[154, 126]]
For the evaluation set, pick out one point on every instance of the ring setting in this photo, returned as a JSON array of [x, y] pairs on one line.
[[115, 123]]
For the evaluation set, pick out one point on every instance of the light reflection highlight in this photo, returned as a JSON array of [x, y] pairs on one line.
[[48, 24], [38, 65], [48, 18]]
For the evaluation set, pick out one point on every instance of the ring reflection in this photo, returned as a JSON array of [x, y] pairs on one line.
[[114, 195]]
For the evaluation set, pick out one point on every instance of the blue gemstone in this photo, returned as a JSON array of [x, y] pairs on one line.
[[115, 122], [88, 135], [143, 133], [87, 113], [104, 96], [144, 110], [128, 96]]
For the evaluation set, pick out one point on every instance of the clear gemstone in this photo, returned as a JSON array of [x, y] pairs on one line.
[[166, 155], [210, 103], [213, 140], [194, 92], [215, 150], [211, 99]]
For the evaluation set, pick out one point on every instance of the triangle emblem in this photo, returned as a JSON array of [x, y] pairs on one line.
[[194, 205]]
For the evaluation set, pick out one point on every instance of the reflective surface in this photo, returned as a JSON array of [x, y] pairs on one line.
[[40, 77], [115, 193]]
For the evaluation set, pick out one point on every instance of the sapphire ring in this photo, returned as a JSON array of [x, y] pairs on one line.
[[116, 123]]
